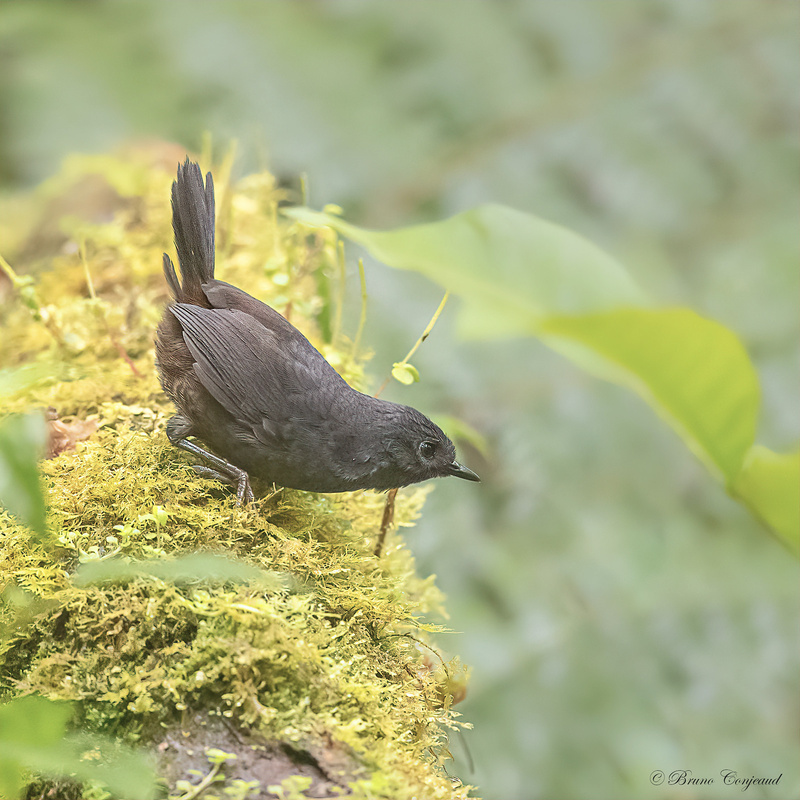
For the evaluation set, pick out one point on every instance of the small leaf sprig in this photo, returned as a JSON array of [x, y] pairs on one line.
[[404, 371]]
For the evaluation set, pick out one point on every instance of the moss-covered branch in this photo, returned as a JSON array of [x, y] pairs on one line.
[[325, 675]]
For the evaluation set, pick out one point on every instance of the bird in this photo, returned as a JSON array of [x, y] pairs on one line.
[[260, 397]]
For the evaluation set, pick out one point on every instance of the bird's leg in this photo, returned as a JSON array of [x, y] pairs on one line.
[[178, 428]]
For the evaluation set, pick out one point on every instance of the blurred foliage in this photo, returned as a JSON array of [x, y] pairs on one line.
[[34, 738], [184, 569], [618, 611], [22, 440]]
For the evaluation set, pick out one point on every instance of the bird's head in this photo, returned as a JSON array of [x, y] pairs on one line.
[[416, 449]]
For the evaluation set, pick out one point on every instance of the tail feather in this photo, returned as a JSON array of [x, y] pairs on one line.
[[172, 279], [193, 225]]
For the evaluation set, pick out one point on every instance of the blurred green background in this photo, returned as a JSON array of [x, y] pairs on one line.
[[620, 613]]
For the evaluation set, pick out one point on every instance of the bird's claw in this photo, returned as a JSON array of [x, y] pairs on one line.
[[244, 492], [236, 478]]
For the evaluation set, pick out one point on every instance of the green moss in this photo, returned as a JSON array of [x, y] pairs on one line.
[[339, 660]]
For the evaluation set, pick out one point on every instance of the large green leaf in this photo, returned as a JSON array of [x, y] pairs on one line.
[[519, 275], [693, 371], [768, 485], [511, 269]]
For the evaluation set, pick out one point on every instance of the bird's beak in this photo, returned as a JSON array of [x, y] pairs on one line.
[[461, 472]]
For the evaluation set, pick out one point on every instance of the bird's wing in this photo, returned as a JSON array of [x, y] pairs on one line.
[[222, 295], [257, 374]]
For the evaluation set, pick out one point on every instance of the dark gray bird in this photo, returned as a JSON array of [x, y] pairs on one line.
[[253, 388]]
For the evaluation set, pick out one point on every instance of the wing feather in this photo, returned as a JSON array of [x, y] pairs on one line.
[[256, 374]]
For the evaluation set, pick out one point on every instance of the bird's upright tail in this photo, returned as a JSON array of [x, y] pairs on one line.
[[193, 224]]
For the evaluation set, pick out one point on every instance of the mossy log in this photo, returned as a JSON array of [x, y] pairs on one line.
[[322, 682]]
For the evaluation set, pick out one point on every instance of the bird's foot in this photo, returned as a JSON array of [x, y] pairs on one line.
[[236, 478], [221, 469], [244, 492]]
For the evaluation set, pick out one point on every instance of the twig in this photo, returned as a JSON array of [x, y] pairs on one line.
[[386, 522]]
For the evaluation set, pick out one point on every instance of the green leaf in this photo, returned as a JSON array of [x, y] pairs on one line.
[[29, 728], [405, 373], [192, 567], [509, 268], [22, 441], [14, 380], [33, 739], [33, 720], [768, 485], [693, 371], [126, 772], [11, 778], [520, 275]]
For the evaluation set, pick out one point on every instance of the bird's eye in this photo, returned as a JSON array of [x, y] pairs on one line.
[[427, 449]]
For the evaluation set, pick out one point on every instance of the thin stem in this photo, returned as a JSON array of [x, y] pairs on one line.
[[386, 522], [98, 307], [195, 791], [340, 284], [363, 318], [419, 341], [303, 188], [9, 270], [24, 285], [87, 274], [427, 330]]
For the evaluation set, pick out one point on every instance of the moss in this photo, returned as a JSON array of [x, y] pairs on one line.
[[335, 667]]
